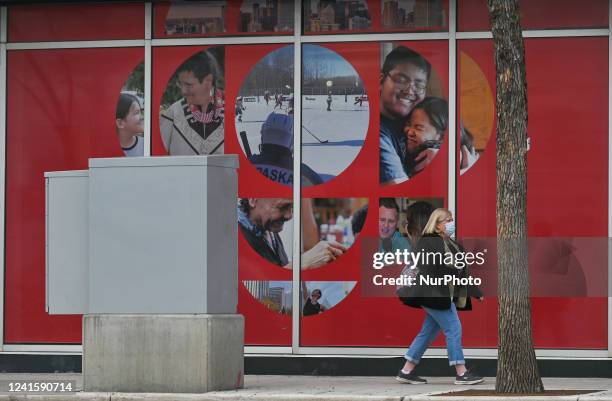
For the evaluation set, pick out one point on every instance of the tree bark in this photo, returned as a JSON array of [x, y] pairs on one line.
[[517, 370]]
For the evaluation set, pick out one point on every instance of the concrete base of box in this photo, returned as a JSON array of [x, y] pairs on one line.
[[163, 353]]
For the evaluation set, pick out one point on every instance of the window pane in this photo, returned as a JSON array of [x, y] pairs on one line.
[[79, 21], [556, 154], [342, 214], [61, 111], [360, 16], [183, 19], [472, 15], [251, 88]]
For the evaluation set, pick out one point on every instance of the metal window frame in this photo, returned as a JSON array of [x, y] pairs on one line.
[[452, 108], [3, 24], [3, 118], [297, 193], [148, 70], [335, 352], [298, 39], [609, 178]]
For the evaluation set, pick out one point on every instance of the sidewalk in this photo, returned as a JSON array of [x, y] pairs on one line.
[[320, 388]]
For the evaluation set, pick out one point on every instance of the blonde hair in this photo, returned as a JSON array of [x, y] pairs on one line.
[[436, 217]]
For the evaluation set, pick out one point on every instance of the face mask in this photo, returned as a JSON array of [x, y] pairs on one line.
[[450, 228]]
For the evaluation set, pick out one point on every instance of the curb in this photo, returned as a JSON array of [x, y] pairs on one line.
[[601, 395], [236, 396], [81, 396]]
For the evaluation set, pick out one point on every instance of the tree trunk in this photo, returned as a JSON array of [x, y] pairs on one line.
[[517, 370]]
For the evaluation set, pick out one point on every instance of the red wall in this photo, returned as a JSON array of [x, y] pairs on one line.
[[60, 112]]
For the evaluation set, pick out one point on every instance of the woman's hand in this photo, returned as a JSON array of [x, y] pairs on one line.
[[424, 158], [467, 158]]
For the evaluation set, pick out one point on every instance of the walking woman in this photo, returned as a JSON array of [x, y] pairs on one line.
[[440, 302]]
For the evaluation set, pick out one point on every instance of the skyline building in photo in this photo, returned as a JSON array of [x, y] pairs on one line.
[[336, 15], [413, 14], [266, 16], [189, 18]]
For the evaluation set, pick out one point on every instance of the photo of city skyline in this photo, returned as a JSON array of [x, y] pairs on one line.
[[195, 17], [413, 14], [275, 295], [266, 16], [336, 15]]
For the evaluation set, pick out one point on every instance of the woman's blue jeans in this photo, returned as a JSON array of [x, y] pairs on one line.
[[446, 320]]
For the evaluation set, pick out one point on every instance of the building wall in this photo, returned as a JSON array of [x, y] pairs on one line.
[[61, 99]]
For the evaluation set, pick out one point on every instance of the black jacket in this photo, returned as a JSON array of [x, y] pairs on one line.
[[259, 244], [438, 296]]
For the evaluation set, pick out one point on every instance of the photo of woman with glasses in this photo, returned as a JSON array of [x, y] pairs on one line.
[[404, 80], [193, 124]]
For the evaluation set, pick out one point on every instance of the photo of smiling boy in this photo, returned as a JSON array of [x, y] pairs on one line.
[[403, 84]]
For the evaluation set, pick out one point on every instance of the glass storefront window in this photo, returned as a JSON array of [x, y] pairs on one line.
[[61, 110], [78, 21], [358, 103], [189, 19], [367, 16], [472, 15], [374, 148], [557, 173]]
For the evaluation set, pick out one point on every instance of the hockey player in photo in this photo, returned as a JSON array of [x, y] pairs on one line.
[[239, 108], [329, 101], [279, 101], [193, 125], [275, 160], [290, 105]]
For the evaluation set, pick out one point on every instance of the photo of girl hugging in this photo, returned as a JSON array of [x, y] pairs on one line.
[[424, 130]]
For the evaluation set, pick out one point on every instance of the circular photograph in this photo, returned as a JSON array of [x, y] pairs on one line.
[[330, 227], [320, 296], [192, 107], [335, 112], [274, 295], [264, 116], [413, 114], [267, 225], [477, 108], [401, 221], [129, 114], [317, 296]]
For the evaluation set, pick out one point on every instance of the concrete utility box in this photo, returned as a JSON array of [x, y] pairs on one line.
[[146, 249], [163, 235], [143, 235]]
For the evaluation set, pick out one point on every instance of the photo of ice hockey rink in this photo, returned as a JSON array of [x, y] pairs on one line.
[[335, 111]]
